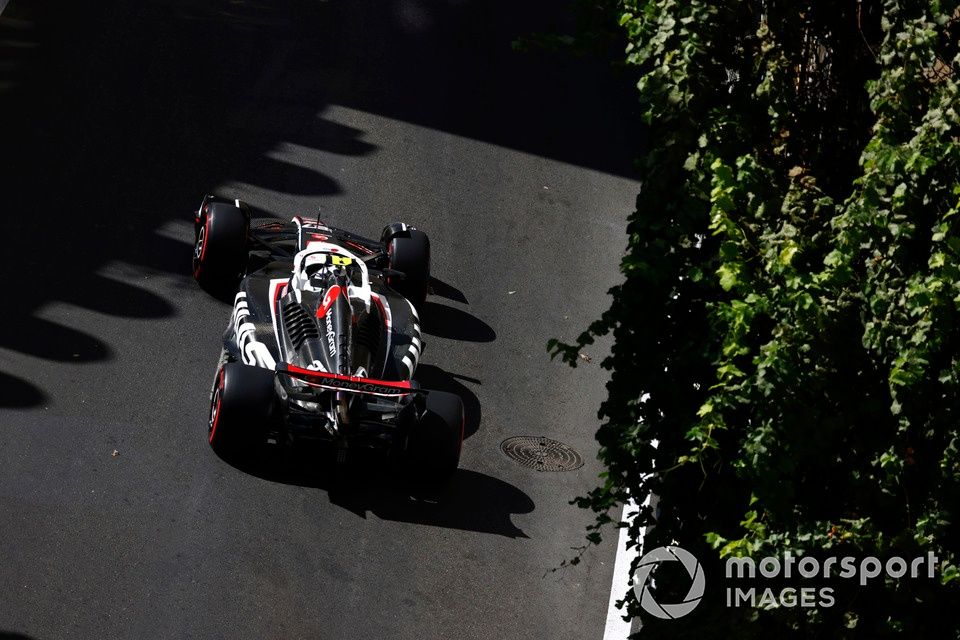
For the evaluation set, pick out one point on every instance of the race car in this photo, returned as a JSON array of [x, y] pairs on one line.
[[323, 340]]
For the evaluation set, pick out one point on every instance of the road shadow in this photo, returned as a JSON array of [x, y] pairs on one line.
[[117, 117], [18, 393], [472, 501], [433, 377], [451, 65], [444, 321]]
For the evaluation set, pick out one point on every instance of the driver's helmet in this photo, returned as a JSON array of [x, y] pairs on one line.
[[318, 269], [317, 265]]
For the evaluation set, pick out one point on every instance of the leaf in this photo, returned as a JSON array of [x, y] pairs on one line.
[[787, 253], [729, 276]]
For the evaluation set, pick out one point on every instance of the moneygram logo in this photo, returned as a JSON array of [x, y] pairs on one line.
[[642, 580]]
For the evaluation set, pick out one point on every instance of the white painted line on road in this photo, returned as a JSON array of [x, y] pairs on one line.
[[3, 5], [617, 628]]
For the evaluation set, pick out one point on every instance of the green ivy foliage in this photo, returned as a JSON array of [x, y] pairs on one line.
[[788, 326]]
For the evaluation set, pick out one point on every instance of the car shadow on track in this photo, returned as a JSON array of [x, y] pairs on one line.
[[449, 322], [471, 501], [446, 290], [433, 377]]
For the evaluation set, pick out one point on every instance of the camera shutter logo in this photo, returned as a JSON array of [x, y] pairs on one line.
[[641, 582]]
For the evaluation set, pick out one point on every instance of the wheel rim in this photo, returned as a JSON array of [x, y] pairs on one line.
[[200, 248], [215, 403]]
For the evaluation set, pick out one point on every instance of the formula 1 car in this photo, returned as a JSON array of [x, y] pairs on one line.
[[323, 340]]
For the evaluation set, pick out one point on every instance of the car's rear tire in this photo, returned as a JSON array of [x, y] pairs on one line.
[[220, 248], [436, 438], [242, 408], [409, 252]]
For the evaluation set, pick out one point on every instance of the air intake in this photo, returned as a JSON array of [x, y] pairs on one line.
[[299, 324]]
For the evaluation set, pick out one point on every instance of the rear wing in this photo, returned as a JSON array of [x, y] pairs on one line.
[[350, 384]]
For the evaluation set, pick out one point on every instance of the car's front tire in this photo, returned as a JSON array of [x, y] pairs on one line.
[[243, 406], [408, 251], [220, 245]]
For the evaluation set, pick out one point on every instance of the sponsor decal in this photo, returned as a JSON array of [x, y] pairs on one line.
[[348, 383], [362, 386], [331, 339], [332, 294]]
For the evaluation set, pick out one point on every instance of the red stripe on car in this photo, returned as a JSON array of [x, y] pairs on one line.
[[399, 385], [332, 294]]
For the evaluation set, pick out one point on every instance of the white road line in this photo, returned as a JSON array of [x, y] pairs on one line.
[[617, 628], [3, 5]]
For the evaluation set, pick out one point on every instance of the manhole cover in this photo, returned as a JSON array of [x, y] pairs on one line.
[[542, 454]]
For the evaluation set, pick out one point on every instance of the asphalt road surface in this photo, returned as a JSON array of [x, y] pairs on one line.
[[116, 519]]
